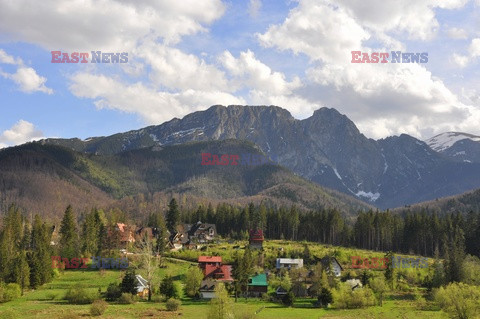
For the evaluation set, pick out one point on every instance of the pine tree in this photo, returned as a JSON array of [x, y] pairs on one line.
[[91, 236], [40, 254], [173, 216], [10, 243], [68, 235], [129, 282]]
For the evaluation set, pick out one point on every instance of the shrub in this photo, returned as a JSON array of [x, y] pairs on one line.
[[98, 307], [113, 292], [127, 298], [80, 296], [325, 297], [288, 299], [459, 300], [173, 304], [11, 291], [345, 298]]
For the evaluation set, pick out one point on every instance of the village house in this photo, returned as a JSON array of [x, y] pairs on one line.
[[192, 236], [289, 263], [213, 273], [255, 239], [257, 285], [126, 233], [331, 264], [207, 288], [142, 287]]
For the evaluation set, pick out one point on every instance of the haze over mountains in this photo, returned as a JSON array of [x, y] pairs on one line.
[[326, 148], [46, 178]]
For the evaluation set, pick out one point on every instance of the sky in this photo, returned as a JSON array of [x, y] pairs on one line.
[[184, 56]]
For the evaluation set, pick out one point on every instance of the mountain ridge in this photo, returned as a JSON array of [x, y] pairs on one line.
[[326, 148]]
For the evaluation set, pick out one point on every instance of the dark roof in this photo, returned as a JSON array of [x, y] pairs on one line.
[[327, 260], [208, 285]]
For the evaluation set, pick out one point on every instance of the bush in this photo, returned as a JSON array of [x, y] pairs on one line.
[[325, 297], [288, 299], [113, 292], [127, 298], [345, 298], [80, 296], [98, 307], [11, 291], [173, 304], [459, 300]]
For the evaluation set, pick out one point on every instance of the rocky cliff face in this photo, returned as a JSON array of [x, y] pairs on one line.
[[326, 148]]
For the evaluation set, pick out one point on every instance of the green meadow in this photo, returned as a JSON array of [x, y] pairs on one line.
[[47, 301]]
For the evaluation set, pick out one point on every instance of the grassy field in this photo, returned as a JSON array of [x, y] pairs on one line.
[[47, 302]]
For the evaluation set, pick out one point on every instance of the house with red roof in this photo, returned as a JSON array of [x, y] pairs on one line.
[[255, 239], [213, 273]]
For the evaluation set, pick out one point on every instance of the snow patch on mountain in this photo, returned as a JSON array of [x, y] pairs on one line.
[[371, 196], [444, 141]]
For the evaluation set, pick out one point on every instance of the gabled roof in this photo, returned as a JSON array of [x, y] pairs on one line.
[[210, 259], [327, 260], [142, 283], [256, 235], [208, 285], [223, 273], [258, 280]]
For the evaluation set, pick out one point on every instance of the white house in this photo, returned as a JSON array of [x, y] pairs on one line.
[[331, 264], [207, 288], [142, 286], [289, 263]]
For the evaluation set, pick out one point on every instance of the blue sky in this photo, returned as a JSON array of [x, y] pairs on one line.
[[187, 55]]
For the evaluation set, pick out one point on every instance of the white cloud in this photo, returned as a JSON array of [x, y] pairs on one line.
[[28, 80], [7, 59], [266, 87], [460, 60], [383, 99], [104, 24], [320, 30], [25, 77], [473, 53], [175, 69], [457, 33], [474, 48], [254, 7], [20, 133], [249, 72], [152, 105]]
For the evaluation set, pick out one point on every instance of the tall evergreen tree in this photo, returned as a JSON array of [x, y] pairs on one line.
[[173, 215], [69, 247], [40, 255]]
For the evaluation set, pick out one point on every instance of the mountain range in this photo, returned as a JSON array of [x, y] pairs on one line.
[[44, 178], [326, 148]]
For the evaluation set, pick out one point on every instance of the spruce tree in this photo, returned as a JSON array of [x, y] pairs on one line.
[[40, 255], [129, 282], [173, 216], [68, 235]]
